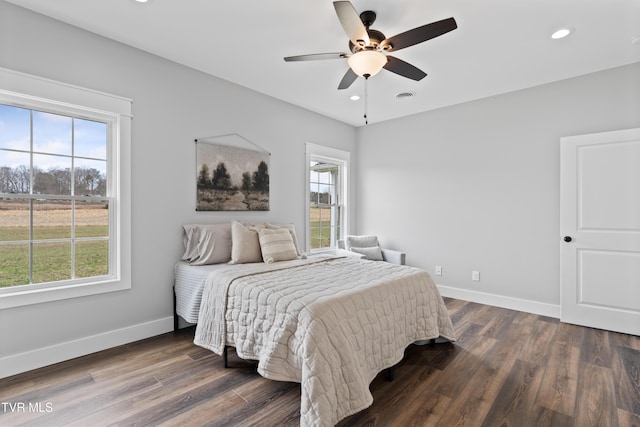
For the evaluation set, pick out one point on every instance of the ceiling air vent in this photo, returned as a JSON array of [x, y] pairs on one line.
[[405, 95]]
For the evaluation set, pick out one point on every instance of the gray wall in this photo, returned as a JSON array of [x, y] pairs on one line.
[[172, 105], [470, 187], [476, 186]]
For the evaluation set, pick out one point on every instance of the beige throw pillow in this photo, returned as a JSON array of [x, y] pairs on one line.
[[292, 230], [245, 244], [277, 245]]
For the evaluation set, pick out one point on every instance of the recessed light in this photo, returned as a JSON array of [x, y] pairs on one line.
[[142, 1], [354, 97], [562, 33]]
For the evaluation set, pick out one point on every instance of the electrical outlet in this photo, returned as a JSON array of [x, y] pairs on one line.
[[438, 270], [475, 276]]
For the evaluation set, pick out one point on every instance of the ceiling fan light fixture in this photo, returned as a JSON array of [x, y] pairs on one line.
[[367, 62]]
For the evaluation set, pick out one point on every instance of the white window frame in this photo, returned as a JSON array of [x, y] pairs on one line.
[[32, 92], [315, 152]]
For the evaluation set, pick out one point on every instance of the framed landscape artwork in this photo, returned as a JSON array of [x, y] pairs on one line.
[[232, 175]]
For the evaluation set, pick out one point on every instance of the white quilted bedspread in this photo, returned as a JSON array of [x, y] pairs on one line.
[[330, 324]]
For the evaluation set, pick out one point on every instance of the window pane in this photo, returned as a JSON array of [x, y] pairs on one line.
[[14, 220], [314, 217], [316, 238], [14, 172], [89, 139], [51, 219], [313, 175], [323, 196], [321, 215], [14, 259], [90, 177], [51, 133], [52, 174], [325, 220], [91, 219], [51, 261], [16, 128], [320, 238], [92, 258], [332, 196], [324, 177]]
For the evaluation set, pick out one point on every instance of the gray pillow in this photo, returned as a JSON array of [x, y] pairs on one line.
[[360, 242], [207, 243], [374, 253]]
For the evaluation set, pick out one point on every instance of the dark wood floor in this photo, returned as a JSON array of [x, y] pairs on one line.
[[507, 369]]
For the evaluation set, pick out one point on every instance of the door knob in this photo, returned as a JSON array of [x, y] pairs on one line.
[[567, 238]]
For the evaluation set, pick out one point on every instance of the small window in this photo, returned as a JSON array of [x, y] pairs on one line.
[[324, 207], [327, 202]]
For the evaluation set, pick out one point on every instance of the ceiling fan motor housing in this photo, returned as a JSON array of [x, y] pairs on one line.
[[375, 38]]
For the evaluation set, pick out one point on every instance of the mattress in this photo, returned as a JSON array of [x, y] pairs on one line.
[[189, 282]]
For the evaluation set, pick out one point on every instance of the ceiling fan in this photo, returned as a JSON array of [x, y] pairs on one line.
[[368, 47]]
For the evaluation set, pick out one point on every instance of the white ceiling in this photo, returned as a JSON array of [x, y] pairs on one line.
[[499, 46]]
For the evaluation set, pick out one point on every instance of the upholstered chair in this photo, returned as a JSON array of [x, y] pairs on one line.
[[368, 247]]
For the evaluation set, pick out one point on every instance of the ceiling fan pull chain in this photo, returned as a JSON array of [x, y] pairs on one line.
[[366, 97]]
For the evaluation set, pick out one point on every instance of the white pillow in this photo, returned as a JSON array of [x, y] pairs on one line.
[[207, 243], [277, 245], [245, 244], [360, 242], [373, 253]]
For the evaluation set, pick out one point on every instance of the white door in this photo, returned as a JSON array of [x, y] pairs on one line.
[[600, 226]]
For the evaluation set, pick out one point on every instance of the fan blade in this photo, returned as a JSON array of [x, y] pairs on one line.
[[350, 20], [419, 35], [347, 80], [403, 68], [316, 56]]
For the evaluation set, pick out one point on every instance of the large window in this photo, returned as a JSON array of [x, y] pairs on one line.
[[327, 197], [60, 198], [54, 208]]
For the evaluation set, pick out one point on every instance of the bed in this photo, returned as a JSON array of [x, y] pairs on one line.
[[330, 323]]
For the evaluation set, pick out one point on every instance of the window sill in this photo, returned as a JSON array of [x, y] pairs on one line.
[[37, 296]]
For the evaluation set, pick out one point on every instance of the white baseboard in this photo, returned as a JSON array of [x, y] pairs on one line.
[[27, 361], [511, 303]]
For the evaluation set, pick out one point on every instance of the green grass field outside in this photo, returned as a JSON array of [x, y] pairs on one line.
[[320, 234], [52, 260]]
